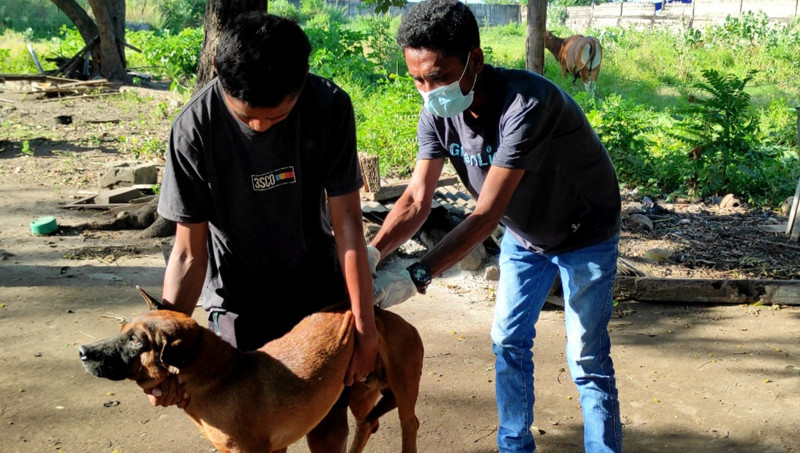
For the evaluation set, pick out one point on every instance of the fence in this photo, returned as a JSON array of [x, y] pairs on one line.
[[485, 14], [697, 14]]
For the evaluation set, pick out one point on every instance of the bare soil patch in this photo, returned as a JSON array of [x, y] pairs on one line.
[[698, 378]]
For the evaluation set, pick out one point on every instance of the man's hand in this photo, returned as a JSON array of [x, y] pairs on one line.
[[363, 361], [169, 392], [392, 288]]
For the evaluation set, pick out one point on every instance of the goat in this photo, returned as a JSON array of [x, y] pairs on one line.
[[579, 55]]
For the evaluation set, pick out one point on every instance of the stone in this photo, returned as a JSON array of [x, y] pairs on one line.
[[658, 255], [641, 221], [118, 195], [786, 207], [474, 260], [491, 273], [126, 174], [730, 201]]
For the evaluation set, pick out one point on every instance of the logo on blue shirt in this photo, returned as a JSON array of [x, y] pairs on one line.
[[483, 159]]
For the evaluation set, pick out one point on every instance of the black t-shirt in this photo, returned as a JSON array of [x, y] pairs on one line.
[[271, 247], [569, 196]]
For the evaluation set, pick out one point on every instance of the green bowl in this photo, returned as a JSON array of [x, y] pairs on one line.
[[44, 225]]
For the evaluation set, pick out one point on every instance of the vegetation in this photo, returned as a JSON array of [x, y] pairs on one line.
[[685, 113]]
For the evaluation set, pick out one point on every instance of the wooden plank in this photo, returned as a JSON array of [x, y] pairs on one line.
[[720, 291], [35, 78]]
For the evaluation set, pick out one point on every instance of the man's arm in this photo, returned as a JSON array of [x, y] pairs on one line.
[[495, 195], [352, 252], [186, 268], [183, 282], [411, 209]]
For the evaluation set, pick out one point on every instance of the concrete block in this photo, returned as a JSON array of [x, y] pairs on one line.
[[127, 174]]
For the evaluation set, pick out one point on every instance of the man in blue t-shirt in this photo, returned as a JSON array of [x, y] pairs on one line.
[[262, 178], [526, 151]]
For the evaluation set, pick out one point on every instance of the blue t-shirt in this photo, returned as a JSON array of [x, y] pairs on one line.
[[569, 196], [263, 195]]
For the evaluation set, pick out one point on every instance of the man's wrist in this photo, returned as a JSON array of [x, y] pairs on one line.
[[421, 275]]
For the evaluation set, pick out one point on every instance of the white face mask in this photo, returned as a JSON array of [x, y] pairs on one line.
[[449, 101]]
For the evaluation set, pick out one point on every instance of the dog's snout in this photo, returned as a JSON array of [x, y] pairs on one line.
[[86, 353]]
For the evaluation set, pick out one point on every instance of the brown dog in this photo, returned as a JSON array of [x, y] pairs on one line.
[[265, 400], [579, 55]]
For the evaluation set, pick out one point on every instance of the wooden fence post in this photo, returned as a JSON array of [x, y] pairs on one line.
[[793, 226], [370, 168]]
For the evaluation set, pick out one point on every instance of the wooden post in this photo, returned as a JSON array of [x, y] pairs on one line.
[[798, 129], [653, 17], [534, 44], [370, 168], [793, 227], [35, 59]]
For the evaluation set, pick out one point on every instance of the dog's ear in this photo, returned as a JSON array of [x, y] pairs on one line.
[[179, 348], [152, 302], [173, 354]]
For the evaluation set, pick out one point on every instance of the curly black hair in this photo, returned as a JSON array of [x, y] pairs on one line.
[[445, 26], [261, 58]]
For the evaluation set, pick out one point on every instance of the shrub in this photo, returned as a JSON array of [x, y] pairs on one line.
[[174, 56], [386, 120], [729, 154], [622, 126]]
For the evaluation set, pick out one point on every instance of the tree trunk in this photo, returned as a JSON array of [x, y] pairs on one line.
[[537, 23], [108, 57], [218, 13], [85, 25], [110, 16]]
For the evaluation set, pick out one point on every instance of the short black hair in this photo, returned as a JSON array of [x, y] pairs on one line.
[[445, 26], [261, 58]]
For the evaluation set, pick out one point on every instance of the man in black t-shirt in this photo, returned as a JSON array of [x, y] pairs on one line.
[[262, 178], [526, 151]]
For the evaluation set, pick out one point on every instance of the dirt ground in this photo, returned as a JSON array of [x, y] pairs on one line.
[[697, 378]]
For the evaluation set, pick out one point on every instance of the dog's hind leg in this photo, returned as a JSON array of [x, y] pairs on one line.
[[406, 395], [403, 377], [363, 407]]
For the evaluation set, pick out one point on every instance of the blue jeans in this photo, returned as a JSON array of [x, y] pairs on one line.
[[587, 276]]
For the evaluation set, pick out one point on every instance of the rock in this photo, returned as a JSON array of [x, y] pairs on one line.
[[786, 207], [640, 221], [658, 255], [473, 261], [730, 201], [684, 222], [127, 174], [120, 195], [491, 273], [634, 207]]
